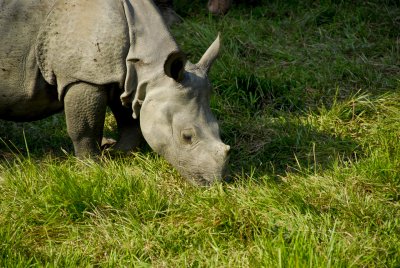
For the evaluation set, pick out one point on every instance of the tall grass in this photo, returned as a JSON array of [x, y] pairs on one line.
[[308, 96]]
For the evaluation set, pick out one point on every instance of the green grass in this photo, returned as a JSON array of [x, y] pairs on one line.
[[308, 96]]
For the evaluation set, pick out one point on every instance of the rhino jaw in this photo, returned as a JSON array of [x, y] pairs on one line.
[[206, 170]]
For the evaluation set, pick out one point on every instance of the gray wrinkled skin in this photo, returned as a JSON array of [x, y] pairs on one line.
[[85, 55]]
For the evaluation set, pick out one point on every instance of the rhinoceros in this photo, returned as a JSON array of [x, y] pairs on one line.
[[81, 56]]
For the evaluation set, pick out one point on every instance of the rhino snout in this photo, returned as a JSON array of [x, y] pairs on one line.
[[225, 150], [221, 154], [207, 169]]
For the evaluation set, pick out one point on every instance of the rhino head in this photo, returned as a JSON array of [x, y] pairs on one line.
[[176, 119], [177, 122], [171, 97]]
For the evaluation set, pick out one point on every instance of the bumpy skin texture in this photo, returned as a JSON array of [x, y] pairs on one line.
[[82, 55]]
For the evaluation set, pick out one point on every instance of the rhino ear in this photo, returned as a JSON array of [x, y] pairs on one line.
[[174, 66], [209, 57]]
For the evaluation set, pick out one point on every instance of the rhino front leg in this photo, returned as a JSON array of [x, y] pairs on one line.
[[129, 132], [85, 109]]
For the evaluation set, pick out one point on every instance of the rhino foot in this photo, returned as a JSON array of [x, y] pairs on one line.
[[107, 143]]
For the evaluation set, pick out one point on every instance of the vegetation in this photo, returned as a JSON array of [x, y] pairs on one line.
[[308, 96]]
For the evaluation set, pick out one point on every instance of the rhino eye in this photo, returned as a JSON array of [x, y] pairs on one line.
[[187, 136]]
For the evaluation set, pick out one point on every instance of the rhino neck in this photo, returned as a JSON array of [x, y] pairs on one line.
[[150, 45], [150, 40]]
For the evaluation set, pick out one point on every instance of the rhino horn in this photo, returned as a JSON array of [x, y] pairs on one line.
[[209, 56]]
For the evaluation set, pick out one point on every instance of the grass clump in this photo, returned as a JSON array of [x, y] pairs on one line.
[[308, 96]]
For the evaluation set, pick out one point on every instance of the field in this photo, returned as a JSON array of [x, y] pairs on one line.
[[307, 94]]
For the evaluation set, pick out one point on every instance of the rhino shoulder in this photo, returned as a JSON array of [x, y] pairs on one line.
[[83, 41]]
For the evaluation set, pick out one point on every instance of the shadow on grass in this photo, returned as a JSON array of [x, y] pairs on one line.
[[281, 146], [39, 138], [43, 137], [269, 146]]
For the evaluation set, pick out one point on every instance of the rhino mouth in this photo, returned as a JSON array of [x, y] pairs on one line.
[[200, 177]]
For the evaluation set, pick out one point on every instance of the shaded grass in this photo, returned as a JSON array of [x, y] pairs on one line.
[[308, 96], [293, 62]]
